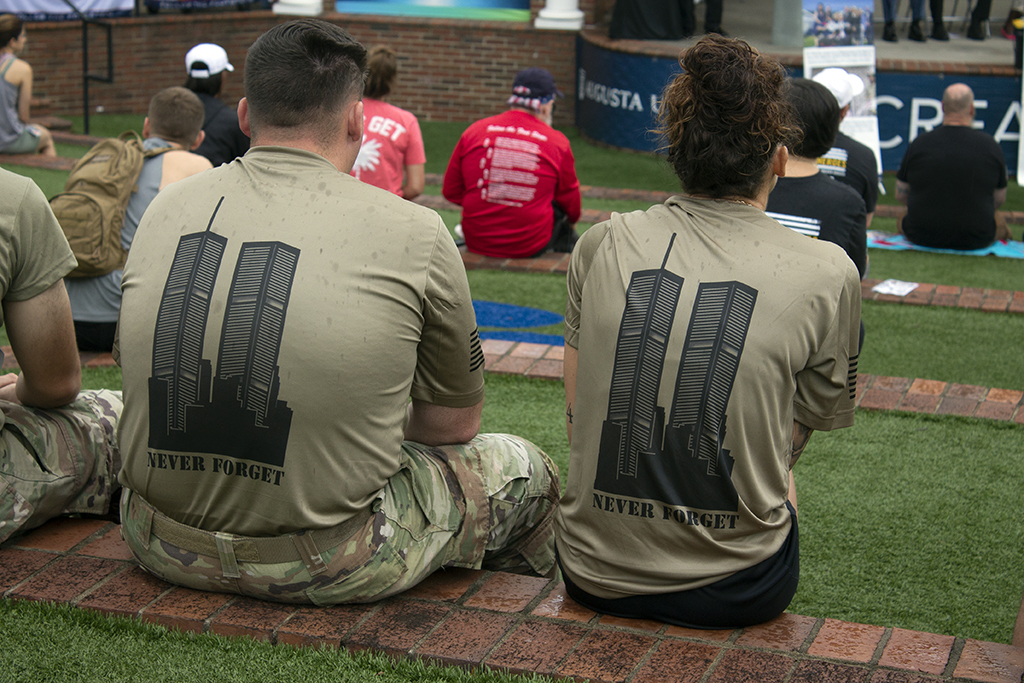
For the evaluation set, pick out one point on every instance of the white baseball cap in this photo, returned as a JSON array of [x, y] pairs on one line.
[[843, 84], [213, 56]]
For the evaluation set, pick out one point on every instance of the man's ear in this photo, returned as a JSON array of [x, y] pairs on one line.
[[199, 140], [243, 116], [145, 128], [354, 124]]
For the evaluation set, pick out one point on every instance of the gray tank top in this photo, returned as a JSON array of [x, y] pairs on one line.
[[10, 125]]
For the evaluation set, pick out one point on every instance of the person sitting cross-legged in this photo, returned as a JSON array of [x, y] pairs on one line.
[[952, 180], [174, 123], [704, 343], [302, 369], [515, 176]]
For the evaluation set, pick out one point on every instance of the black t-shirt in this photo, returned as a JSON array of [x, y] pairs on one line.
[[823, 208], [953, 172], [224, 141], [642, 20], [853, 163]]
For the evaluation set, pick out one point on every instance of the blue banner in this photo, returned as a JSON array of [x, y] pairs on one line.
[[617, 96]]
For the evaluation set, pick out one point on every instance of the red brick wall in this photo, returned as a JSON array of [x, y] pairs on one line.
[[449, 70]]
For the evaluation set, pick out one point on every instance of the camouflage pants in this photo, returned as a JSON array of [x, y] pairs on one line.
[[58, 461], [486, 504]]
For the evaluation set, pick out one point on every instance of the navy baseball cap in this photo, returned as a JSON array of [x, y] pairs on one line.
[[533, 87]]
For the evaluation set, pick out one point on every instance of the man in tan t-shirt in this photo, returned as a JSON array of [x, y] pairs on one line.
[[58, 454], [277, 317]]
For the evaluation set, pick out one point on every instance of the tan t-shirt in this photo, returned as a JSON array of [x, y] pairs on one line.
[[34, 253], [704, 329], [277, 315]]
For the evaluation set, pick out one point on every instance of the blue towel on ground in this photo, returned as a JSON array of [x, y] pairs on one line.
[[886, 240]]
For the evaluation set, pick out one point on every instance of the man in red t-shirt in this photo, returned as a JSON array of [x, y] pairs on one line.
[[515, 177]]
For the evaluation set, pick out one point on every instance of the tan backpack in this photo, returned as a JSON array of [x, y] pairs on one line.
[[92, 206]]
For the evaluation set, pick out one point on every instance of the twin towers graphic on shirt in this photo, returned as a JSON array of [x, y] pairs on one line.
[[236, 411], [681, 462]]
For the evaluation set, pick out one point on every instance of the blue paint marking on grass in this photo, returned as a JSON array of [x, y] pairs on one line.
[[493, 314], [531, 337]]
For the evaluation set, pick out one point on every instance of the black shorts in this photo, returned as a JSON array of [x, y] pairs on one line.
[[750, 596], [98, 337]]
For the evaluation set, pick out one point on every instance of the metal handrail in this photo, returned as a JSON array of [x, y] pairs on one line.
[[86, 76]]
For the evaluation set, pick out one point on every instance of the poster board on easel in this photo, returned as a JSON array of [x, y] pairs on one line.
[[861, 123]]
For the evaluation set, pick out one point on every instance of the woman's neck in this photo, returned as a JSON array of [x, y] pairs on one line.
[[749, 201], [801, 167]]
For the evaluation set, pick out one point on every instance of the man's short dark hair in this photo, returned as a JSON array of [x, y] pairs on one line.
[[176, 115], [301, 74], [205, 86], [818, 116]]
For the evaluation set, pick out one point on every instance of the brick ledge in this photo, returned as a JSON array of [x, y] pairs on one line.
[[523, 624]]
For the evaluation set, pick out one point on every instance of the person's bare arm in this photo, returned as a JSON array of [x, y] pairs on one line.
[[569, 365], [42, 336], [867, 221], [801, 434], [415, 181], [179, 164], [902, 191], [999, 196], [436, 425], [25, 93]]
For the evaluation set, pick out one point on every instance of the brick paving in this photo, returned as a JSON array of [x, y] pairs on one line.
[[523, 624]]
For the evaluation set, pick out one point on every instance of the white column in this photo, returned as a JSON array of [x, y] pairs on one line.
[[307, 8], [560, 14], [788, 23]]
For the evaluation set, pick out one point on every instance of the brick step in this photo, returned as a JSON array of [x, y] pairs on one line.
[[438, 202], [38, 161], [522, 624], [52, 123], [545, 361], [69, 138], [926, 294]]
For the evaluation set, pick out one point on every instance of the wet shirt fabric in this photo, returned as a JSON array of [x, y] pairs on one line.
[[277, 315], [704, 329]]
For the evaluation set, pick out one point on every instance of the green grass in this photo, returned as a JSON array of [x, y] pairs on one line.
[[595, 165], [913, 521], [58, 643], [948, 344], [108, 125], [905, 520]]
